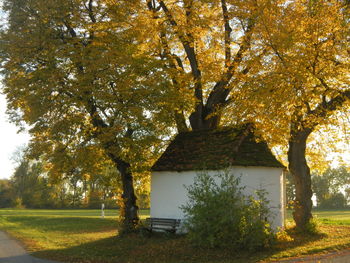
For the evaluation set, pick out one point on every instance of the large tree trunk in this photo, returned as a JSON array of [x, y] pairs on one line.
[[301, 174], [180, 122], [129, 210], [204, 119]]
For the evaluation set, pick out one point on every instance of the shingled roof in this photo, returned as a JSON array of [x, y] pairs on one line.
[[215, 150]]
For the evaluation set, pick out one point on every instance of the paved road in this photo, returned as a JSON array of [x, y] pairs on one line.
[[12, 252]]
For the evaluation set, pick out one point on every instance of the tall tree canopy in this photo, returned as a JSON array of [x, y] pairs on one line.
[[276, 63], [91, 72], [80, 84], [115, 74], [208, 47], [305, 75]]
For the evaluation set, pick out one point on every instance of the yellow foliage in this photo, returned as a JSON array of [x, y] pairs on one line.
[[114, 79]]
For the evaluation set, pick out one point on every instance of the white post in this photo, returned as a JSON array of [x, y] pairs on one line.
[[103, 211]]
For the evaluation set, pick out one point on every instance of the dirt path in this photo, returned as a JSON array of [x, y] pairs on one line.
[[12, 252]]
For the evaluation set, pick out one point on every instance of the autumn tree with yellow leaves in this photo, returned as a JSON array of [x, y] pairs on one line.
[[304, 79], [80, 85], [83, 72], [120, 74], [208, 48], [297, 58], [289, 57]]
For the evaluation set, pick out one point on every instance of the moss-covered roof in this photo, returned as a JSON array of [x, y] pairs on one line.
[[214, 150]]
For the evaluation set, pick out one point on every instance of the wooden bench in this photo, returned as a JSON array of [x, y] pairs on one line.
[[165, 224]]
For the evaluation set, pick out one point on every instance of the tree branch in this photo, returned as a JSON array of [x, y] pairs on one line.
[[90, 10], [190, 52], [228, 31], [171, 58], [326, 107], [70, 29], [220, 90]]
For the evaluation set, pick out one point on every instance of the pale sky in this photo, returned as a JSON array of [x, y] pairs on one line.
[[10, 140]]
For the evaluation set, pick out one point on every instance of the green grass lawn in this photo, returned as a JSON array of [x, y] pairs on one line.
[[83, 236], [109, 213], [333, 217]]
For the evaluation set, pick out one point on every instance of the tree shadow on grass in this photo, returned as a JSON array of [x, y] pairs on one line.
[[157, 248], [68, 225], [135, 247]]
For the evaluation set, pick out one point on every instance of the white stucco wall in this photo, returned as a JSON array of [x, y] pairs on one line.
[[168, 192]]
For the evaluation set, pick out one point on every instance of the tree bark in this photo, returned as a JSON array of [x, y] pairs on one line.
[[180, 122], [301, 174], [200, 121], [129, 210]]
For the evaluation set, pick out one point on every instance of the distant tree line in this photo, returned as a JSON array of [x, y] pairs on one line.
[[331, 188], [31, 187]]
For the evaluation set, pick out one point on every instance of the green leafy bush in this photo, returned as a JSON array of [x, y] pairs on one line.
[[219, 215]]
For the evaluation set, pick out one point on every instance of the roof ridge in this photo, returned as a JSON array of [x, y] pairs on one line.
[[215, 149]]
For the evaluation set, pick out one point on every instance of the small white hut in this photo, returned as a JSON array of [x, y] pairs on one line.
[[233, 149]]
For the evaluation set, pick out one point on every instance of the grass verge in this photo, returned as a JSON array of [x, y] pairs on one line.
[[82, 236]]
